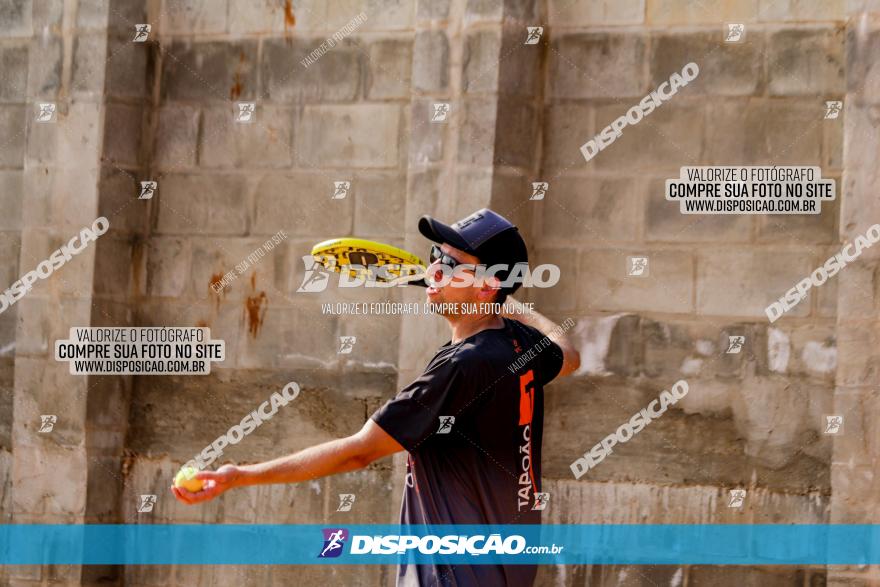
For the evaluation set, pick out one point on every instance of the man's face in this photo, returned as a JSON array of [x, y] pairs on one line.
[[455, 291]]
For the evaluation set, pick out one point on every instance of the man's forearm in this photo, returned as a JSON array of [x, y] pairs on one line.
[[335, 456]]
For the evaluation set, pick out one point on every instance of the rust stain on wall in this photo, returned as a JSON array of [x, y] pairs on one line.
[[256, 311], [255, 307], [213, 286], [237, 86], [289, 18]]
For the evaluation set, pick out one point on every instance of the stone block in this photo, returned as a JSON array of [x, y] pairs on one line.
[[802, 229], [210, 70], [272, 16], [334, 76], [127, 72], [482, 51], [78, 138], [379, 204], [862, 77], [668, 138], [591, 210], [301, 205], [14, 64], [168, 266], [566, 13], [122, 134], [728, 69], [15, 18], [202, 204], [597, 65], [668, 287], [430, 63], [477, 137], [516, 133], [664, 221], [791, 131], [667, 12], [561, 297], [11, 197], [433, 9], [176, 136], [520, 72], [801, 10], [263, 143], [90, 54], [113, 262], [806, 62], [12, 128], [117, 188], [746, 576], [382, 15], [566, 126], [45, 61], [740, 283], [832, 144], [49, 480], [363, 135], [389, 71], [211, 261], [193, 17], [424, 190], [427, 139]]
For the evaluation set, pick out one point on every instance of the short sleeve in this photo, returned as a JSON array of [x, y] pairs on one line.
[[413, 414], [551, 363]]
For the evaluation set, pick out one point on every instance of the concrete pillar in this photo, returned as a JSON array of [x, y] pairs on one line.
[[82, 165], [855, 482]]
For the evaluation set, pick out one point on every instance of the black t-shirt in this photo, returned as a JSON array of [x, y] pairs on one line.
[[483, 467]]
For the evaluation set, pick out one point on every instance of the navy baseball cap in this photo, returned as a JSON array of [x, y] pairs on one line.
[[485, 234]]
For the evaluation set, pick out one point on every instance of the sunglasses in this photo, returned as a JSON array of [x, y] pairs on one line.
[[437, 254]]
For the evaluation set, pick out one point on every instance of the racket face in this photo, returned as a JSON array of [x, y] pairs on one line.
[[360, 257]]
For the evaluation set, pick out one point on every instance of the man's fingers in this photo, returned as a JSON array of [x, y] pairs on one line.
[[179, 495]]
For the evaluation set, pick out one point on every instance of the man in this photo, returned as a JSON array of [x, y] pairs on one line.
[[472, 422]]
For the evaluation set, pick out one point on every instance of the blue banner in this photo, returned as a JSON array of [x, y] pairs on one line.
[[257, 544]]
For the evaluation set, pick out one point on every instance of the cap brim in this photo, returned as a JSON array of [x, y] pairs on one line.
[[438, 232]]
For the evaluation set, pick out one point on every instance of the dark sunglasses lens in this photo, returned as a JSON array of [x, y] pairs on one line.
[[435, 253]]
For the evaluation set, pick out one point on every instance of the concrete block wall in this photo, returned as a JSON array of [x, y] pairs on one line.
[[163, 110], [752, 420]]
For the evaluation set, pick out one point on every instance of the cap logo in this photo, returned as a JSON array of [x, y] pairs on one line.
[[468, 221]]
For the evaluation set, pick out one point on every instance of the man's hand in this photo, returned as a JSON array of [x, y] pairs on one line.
[[216, 483]]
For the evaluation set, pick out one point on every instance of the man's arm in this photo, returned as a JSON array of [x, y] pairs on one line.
[[571, 358], [336, 456]]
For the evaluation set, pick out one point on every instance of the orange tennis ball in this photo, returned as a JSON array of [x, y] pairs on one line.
[[186, 479]]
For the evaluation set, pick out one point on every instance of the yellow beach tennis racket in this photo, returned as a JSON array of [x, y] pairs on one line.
[[370, 259]]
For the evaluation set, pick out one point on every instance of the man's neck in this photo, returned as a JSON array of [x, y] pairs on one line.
[[465, 326]]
